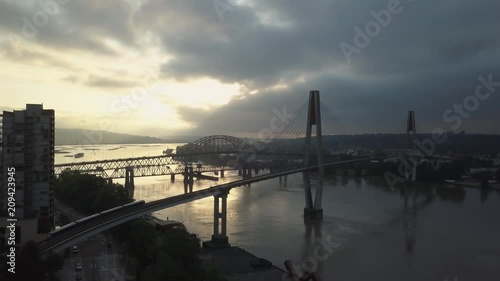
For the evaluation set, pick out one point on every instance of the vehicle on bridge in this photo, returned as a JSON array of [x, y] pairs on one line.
[[64, 228]]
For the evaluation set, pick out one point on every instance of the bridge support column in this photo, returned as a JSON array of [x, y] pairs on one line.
[[172, 177], [313, 214], [129, 181], [221, 173], [219, 237], [240, 172], [247, 172], [188, 187], [188, 174], [314, 118]]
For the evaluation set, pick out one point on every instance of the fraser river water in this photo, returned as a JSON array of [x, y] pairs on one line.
[[367, 233]]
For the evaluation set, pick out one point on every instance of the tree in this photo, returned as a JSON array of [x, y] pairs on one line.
[[178, 259], [141, 241], [89, 194]]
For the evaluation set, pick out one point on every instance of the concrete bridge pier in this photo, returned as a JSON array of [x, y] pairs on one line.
[[248, 172], [313, 213], [172, 177], [221, 173], [188, 174], [245, 171], [129, 181], [219, 237], [188, 187]]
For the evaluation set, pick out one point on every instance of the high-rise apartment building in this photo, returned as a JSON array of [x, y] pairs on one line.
[[27, 144]]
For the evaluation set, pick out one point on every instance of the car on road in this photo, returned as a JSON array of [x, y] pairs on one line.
[[75, 250], [78, 266]]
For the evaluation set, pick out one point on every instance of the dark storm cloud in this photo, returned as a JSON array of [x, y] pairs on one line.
[[370, 106], [427, 57]]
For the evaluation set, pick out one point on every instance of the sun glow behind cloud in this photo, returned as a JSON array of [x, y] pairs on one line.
[[198, 69], [202, 93]]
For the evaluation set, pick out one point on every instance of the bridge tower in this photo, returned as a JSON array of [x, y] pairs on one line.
[[314, 210], [411, 131]]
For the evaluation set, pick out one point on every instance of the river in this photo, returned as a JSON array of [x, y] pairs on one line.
[[367, 233]]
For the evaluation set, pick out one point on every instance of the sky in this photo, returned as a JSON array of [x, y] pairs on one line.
[[187, 67]]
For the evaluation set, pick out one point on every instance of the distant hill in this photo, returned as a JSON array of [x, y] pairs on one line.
[[79, 136]]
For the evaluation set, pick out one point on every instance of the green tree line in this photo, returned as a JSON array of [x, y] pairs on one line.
[[89, 194]]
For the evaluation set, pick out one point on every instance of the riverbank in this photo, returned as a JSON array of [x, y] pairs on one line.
[[235, 264], [475, 184]]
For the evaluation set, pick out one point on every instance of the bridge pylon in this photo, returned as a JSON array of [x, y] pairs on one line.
[[313, 210], [411, 132]]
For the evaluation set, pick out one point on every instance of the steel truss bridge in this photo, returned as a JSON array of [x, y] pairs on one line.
[[219, 152]]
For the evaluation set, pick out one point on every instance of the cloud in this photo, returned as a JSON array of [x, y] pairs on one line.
[[105, 82], [75, 25], [426, 59]]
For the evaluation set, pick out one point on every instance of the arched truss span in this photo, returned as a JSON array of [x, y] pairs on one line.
[[215, 143]]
